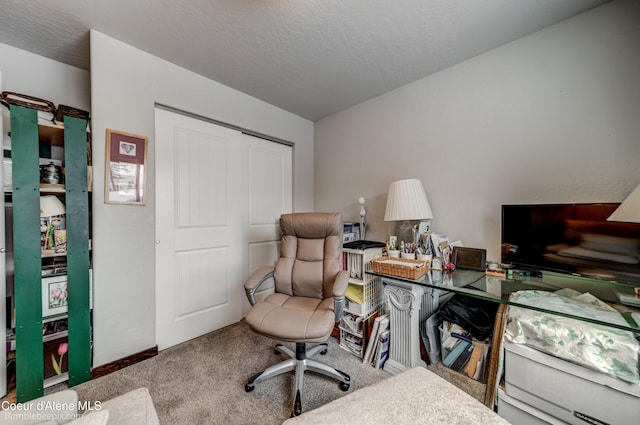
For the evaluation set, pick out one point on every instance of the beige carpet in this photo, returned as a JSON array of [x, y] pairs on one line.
[[202, 381]]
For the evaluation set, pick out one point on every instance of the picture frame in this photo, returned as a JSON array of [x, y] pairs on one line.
[[470, 258], [125, 168], [54, 295], [436, 263]]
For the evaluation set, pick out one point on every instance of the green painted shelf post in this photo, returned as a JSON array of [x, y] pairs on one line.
[[27, 254], [77, 209]]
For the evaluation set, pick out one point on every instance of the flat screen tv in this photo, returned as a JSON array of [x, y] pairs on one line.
[[571, 238]]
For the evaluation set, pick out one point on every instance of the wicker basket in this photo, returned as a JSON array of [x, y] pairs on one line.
[[401, 267]]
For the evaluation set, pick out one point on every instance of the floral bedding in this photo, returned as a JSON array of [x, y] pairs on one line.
[[609, 350]]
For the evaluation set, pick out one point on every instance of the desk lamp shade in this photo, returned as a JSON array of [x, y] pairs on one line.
[[51, 206], [629, 210], [407, 201]]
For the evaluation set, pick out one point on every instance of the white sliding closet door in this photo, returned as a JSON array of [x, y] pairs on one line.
[[270, 195], [219, 194]]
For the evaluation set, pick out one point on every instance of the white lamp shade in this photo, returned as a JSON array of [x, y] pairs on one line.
[[51, 206], [629, 210], [407, 201]]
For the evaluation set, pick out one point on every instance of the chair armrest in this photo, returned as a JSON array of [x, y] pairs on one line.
[[341, 283], [256, 279], [339, 289]]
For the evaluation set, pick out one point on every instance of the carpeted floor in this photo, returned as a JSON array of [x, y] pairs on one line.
[[202, 381]]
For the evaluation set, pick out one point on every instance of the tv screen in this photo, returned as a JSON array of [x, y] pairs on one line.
[[571, 238]]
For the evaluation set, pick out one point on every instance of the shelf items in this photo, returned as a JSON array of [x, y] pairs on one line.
[[363, 299], [27, 134]]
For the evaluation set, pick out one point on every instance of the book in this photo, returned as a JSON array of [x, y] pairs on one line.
[[474, 360], [382, 349], [460, 347], [367, 328], [368, 356], [461, 361]]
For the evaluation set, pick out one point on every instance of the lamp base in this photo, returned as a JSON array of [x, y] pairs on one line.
[[406, 232]]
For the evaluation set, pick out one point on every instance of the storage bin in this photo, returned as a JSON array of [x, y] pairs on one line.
[[567, 391], [401, 267], [520, 413], [463, 353], [352, 329], [358, 263], [363, 299]]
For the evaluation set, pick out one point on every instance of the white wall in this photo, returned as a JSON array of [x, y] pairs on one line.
[[125, 85], [552, 117], [34, 75]]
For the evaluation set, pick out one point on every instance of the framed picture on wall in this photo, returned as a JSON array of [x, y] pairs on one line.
[[126, 167]]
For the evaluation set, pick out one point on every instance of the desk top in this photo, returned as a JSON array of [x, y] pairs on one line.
[[479, 285]]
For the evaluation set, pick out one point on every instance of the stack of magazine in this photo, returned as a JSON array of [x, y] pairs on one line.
[[378, 346]]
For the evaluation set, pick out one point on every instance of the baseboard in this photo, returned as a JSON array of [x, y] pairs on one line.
[[108, 368]]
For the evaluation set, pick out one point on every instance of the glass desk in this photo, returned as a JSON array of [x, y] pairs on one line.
[[477, 284], [411, 302]]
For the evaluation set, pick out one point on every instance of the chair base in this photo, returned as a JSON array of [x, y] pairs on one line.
[[299, 362]]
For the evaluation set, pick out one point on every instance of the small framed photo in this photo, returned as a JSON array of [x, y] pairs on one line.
[[393, 242], [436, 263], [126, 167]]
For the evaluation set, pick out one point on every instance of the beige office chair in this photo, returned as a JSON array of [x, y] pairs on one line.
[[308, 299]]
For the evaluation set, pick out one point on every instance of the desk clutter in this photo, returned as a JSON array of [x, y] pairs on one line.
[[594, 368], [401, 267], [464, 353], [464, 326]]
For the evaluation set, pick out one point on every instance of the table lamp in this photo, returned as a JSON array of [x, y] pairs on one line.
[[50, 208], [629, 210], [407, 202]]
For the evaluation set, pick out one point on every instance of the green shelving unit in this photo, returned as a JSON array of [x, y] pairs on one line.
[[27, 252]]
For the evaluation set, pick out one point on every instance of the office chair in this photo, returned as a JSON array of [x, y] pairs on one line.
[[308, 299]]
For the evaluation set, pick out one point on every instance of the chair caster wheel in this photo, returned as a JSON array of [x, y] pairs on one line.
[[344, 386], [277, 352], [248, 388], [323, 352]]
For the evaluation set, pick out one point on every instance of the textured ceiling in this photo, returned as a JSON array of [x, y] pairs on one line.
[[310, 57]]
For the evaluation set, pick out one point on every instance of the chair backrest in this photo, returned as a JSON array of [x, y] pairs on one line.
[[310, 254]]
